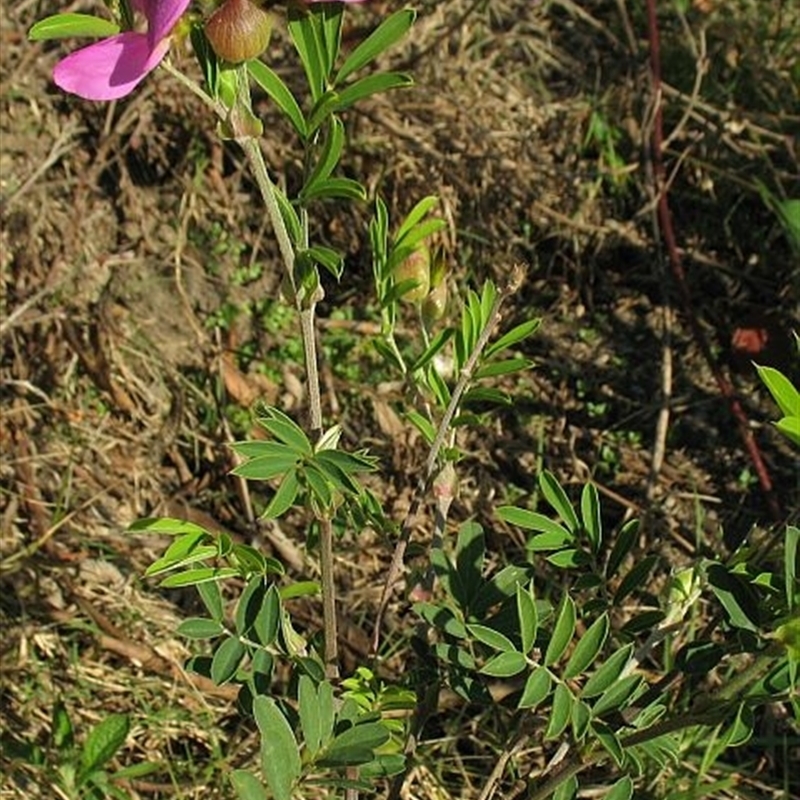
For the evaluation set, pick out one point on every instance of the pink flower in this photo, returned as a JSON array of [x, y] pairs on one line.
[[115, 66]]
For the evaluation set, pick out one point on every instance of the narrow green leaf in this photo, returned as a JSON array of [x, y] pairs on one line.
[[322, 111], [479, 395], [390, 31], [502, 586], [349, 463], [331, 259], [580, 719], [560, 713], [437, 385], [212, 599], [286, 430], [103, 742], [488, 296], [259, 448], [608, 672], [247, 786], [355, 745], [588, 648], [455, 656], [537, 688], [268, 619], [415, 216], [442, 618], [307, 43], [226, 660], [329, 156], [264, 468], [738, 599], [325, 712], [590, 512], [547, 542], [335, 187], [563, 631], [506, 367], [491, 637], [621, 790], [290, 217], [168, 526], [284, 498], [319, 485], [470, 554], [437, 343], [208, 61], [622, 546], [200, 628], [299, 589], [643, 621], [791, 551], [790, 428], [635, 578], [62, 26], [505, 665], [527, 617], [251, 561], [279, 93], [193, 577], [557, 498], [533, 521], [423, 425], [403, 247], [280, 756], [569, 559], [782, 390], [741, 729], [249, 604], [329, 21], [618, 695], [184, 547], [307, 706], [378, 83], [385, 765], [163, 564], [515, 335], [261, 669], [567, 789], [609, 740], [337, 477]]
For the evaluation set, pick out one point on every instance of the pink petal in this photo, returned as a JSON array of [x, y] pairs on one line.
[[161, 17], [109, 69]]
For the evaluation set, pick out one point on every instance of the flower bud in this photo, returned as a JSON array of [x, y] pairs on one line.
[[238, 31], [417, 268]]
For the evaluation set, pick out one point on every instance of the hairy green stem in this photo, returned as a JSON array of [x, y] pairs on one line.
[[267, 190], [306, 308]]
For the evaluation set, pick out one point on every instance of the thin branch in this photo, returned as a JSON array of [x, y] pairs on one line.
[[396, 565]]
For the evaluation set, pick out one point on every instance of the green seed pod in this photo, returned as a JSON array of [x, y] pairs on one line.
[[417, 268], [434, 304], [238, 31]]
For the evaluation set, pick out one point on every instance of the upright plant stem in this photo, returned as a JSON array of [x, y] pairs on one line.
[[267, 190], [306, 308]]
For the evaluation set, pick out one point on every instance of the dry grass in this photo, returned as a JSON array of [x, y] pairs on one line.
[[126, 230]]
